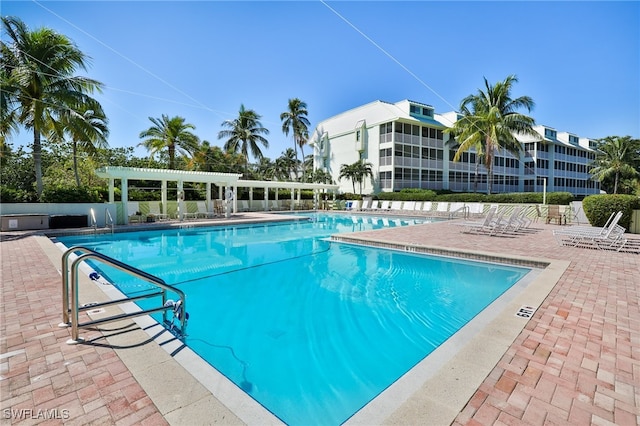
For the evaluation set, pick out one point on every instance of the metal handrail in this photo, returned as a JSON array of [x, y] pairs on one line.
[[108, 219], [465, 209], [94, 222], [74, 310]]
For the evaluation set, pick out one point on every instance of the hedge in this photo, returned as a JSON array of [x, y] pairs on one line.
[[598, 208]]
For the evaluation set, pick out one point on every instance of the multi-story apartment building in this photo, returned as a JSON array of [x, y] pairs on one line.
[[406, 144]]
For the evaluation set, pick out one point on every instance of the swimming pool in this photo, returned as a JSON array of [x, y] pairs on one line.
[[310, 329]]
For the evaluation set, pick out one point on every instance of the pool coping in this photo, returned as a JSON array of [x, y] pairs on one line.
[[438, 400]]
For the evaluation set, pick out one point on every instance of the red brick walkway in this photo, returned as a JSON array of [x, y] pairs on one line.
[[576, 362], [42, 376]]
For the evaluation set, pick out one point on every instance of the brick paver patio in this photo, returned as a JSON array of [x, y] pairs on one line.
[[576, 362]]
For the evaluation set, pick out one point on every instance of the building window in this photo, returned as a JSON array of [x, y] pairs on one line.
[[551, 134]]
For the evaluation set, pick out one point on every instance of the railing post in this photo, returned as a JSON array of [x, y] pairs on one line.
[[74, 304]]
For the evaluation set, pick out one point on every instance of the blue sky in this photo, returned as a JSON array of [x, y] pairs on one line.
[[579, 61]]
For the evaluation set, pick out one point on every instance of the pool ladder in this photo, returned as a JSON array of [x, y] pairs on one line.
[[71, 309], [108, 221]]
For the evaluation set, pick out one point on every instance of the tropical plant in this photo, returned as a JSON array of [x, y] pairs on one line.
[[616, 157], [172, 134], [320, 176], [490, 122], [295, 121], [243, 134], [286, 165], [479, 157], [86, 125], [356, 172], [38, 82]]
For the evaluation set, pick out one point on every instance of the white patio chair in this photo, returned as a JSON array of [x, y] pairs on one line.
[[396, 205], [442, 208], [133, 212], [609, 236], [488, 224], [154, 209]]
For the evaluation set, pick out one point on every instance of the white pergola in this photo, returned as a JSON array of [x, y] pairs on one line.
[[224, 181]]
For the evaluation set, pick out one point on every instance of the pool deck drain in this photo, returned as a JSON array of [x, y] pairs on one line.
[[575, 361]]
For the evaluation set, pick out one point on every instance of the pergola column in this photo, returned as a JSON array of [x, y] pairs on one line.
[[209, 203], [293, 191], [163, 197], [112, 197], [124, 193], [266, 199], [180, 200]]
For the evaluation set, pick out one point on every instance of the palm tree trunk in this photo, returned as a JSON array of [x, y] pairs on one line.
[[37, 161], [303, 167], [475, 178], [615, 184], [75, 163], [295, 147], [172, 156]]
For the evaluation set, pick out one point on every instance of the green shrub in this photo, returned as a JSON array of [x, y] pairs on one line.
[[62, 194], [462, 197], [560, 198], [598, 208], [408, 194], [12, 195]]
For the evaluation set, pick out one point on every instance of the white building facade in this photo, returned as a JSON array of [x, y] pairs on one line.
[[407, 147]]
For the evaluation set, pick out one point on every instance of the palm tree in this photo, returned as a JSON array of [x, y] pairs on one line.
[[87, 128], [362, 170], [243, 134], [490, 122], [615, 157], [295, 120], [347, 171], [171, 133], [479, 157], [287, 164], [356, 172], [321, 176], [38, 79], [203, 158]]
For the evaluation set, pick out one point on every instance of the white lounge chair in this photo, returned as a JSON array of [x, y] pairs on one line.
[[609, 236], [396, 205], [427, 206], [154, 209], [488, 224], [408, 206], [442, 208], [385, 205], [133, 212], [201, 213], [375, 205], [365, 205], [510, 224], [475, 209]]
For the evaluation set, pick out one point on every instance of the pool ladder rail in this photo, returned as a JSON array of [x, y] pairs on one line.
[[71, 309], [108, 220]]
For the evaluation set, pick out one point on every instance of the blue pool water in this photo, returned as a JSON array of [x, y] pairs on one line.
[[310, 329]]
